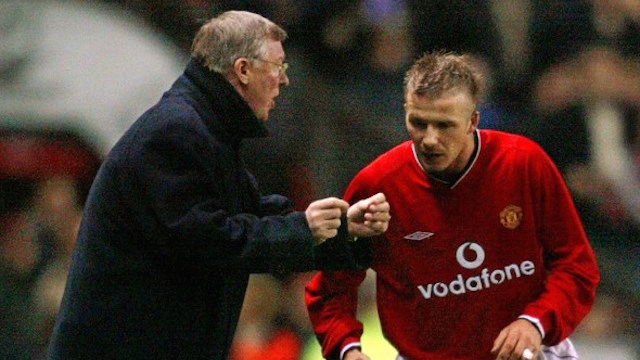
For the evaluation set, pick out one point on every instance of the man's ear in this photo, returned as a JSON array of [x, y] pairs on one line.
[[475, 120], [241, 68]]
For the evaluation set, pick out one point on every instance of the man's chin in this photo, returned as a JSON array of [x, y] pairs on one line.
[[432, 166], [434, 169]]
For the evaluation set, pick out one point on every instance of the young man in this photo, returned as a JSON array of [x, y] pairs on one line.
[[174, 224], [485, 256]]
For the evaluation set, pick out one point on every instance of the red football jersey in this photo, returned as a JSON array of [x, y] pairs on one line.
[[461, 261]]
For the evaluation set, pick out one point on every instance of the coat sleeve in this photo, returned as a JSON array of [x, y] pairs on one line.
[[185, 203], [571, 265]]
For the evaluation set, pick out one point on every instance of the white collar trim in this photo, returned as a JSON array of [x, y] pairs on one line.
[[473, 161]]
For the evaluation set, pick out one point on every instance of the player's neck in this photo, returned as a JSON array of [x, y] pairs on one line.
[[452, 178]]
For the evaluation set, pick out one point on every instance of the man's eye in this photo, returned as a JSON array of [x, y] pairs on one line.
[[419, 125], [416, 121]]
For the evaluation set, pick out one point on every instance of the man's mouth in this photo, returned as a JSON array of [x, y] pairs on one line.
[[431, 156]]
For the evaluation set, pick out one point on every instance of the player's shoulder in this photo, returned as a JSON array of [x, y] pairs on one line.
[[495, 140], [514, 150]]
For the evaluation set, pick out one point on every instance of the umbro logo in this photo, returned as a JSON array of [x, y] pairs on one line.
[[419, 235]]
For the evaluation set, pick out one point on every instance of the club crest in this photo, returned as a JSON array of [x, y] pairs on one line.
[[511, 217]]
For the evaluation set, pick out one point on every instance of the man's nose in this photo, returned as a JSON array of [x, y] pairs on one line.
[[430, 136], [284, 80]]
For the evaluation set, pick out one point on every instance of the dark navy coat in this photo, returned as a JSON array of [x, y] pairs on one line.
[[173, 226]]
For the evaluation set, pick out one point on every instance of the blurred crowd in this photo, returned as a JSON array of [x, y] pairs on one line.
[[565, 73]]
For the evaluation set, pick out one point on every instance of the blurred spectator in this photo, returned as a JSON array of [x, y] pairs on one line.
[[57, 206], [19, 257], [608, 331], [264, 331], [35, 246], [333, 35], [43, 176], [586, 57]]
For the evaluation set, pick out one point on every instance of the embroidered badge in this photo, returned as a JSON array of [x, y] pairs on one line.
[[419, 235], [511, 217]]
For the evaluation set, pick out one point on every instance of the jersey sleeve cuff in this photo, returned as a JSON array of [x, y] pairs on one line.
[[348, 347], [536, 322]]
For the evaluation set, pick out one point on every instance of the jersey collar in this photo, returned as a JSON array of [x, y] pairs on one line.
[[463, 173]]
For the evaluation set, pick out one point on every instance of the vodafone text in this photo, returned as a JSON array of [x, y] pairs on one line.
[[484, 280]]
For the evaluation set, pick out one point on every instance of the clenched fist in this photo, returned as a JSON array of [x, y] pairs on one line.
[[323, 217], [369, 217]]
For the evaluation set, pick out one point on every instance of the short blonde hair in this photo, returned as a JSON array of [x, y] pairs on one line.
[[232, 35], [435, 73]]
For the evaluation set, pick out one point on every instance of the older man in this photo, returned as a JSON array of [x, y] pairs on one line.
[[174, 223]]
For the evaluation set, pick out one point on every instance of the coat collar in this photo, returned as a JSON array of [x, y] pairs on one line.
[[234, 114]]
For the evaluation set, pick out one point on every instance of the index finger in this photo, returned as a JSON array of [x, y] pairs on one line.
[[332, 203], [378, 198], [373, 200], [497, 344]]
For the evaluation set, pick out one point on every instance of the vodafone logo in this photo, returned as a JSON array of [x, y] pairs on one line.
[[471, 256], [472, 247]]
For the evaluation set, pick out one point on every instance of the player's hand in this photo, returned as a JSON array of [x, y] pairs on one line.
[[514, 339], [323, 217], [355, 354], [369, 217]]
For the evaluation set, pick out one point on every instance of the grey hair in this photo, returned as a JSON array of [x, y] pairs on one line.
[[232, 35], [435, 73]]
